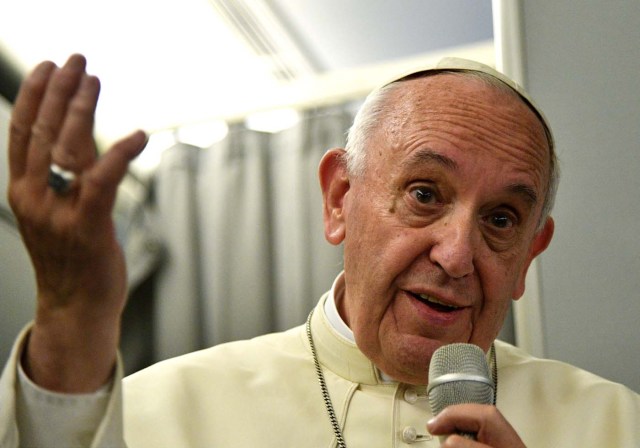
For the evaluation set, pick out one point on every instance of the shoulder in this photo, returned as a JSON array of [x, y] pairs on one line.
[[552, 403], [559, 381], [238, 359], [212, 396], [513, 360]]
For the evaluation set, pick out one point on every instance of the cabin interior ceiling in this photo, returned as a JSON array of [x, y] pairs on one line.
[[324, 36]]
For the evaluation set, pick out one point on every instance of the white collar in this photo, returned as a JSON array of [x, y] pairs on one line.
[[331, 311]]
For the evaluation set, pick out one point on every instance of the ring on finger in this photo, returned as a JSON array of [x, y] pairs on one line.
[[60, 179]]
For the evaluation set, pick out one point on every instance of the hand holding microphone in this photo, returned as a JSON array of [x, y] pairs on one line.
[[461, 395]]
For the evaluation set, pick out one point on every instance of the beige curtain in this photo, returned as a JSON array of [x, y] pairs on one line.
[[241, 226]]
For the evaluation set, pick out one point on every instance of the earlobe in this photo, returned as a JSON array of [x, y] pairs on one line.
[[540, 242], [334, 182]]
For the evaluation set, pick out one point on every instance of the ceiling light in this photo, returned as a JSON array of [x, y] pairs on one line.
[[272, 121], [202, 135]]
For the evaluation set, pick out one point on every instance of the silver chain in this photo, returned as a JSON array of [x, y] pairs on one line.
[[323, 387], [325, 391], [494, 372]]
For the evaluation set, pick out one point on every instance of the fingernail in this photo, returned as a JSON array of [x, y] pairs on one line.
[[143, 137]]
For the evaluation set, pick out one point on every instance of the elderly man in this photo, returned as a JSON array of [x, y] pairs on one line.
[[441, 200]]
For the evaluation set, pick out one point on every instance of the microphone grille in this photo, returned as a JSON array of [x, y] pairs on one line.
[[458, 374]]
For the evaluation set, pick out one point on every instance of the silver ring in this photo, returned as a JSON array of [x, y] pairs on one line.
[[60, 180]]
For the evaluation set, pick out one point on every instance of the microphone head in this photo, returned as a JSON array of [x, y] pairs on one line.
[[458, 374]]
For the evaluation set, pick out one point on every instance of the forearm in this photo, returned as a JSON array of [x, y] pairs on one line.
[[71, 354]]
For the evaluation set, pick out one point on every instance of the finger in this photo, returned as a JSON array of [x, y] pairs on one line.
[[457, 419], [100, 183], [62, 86], [485, 421], [24, 114], [75, 148], [456, 441]]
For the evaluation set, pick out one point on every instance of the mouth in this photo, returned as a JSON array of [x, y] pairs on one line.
[[435, 304]]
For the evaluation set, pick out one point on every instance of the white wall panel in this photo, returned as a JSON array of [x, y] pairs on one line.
[[582, 64]]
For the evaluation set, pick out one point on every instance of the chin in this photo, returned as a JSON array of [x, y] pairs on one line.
[[408, 361], [411, 374]]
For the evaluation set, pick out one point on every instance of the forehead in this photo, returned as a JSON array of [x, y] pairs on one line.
[[466, 116]]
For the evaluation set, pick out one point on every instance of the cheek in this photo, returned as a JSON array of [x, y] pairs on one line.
[[375, 255], [498, 286], [374, 240], [500, 274]]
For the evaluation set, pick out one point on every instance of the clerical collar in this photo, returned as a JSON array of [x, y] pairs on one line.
[[336, 321]]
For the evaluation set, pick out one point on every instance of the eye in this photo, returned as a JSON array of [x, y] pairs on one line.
[[424, 195], [501, 220], [501, 228]]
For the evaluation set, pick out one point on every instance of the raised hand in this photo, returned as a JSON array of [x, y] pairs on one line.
[[66, 224]]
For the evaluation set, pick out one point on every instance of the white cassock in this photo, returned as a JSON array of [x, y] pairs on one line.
[[265, 393]]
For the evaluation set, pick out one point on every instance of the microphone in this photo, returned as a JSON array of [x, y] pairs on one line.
[[459, 374]]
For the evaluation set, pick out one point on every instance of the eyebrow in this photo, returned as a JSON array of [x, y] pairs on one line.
[[528, 193], [429, 156]]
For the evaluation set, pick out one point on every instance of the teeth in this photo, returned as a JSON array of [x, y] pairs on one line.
[[432, 300]]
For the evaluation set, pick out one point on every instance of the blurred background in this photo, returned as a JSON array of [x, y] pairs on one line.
[[220, 217]]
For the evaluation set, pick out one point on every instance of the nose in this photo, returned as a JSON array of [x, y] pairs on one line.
[[454, 245]]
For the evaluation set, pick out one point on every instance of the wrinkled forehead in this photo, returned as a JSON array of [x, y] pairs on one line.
[[450, 113], [498, 79]]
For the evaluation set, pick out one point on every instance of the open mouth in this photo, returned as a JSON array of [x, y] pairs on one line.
[[435, 304]]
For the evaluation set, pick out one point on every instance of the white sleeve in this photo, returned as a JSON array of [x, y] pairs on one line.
[[52, 419], [34, 417]]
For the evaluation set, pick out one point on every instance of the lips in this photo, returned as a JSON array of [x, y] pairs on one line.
[[435, 303]]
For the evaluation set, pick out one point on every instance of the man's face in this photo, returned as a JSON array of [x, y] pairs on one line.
[[441, 228]]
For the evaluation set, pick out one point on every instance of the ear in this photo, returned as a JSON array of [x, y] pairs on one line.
[[334, 182], [540, 242]]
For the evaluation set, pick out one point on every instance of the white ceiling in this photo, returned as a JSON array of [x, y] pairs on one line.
[[167, 63], [340, 34]]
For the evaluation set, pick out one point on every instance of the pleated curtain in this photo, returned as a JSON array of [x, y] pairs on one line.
[[241, 228]]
